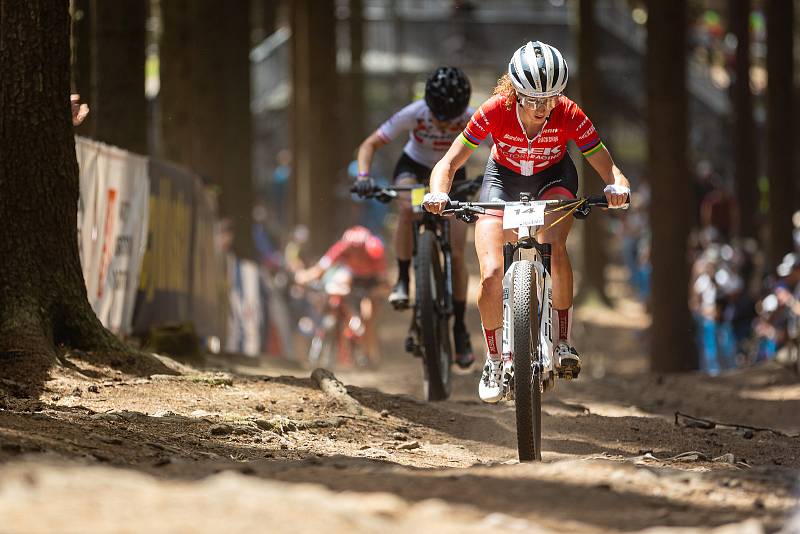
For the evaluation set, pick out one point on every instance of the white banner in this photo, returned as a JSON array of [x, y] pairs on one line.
[[246, 316], [112, 228]]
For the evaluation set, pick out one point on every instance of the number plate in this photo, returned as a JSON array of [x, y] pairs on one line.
[[417, 195], [528, 214]]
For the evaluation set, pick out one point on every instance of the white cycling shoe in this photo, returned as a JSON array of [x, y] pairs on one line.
[[567, 360], [490, 387]]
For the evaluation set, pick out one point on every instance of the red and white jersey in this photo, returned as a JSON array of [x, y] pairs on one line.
[[363, 260], [514, 150], [426, 143]]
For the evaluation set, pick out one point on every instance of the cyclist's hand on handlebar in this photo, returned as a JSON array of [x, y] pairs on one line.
[[364, 186], [617, 195], [435, 202]]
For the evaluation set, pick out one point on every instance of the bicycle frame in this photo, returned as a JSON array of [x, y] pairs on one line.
[[541, 263], [441, 228]]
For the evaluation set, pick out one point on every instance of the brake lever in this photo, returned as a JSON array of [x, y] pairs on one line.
[[468, 217], [582, 211]]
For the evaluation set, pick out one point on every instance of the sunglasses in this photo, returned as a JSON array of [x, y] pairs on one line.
[[535, 103]]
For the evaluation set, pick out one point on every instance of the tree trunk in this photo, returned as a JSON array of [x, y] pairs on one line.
[[780, 129], [314, 117], [743, 130], [43, 302], [206, 102], [594, 234], [356, 79], [117, 100], [672, 347]]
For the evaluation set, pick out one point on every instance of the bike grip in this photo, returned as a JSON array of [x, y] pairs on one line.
[[601, 201]]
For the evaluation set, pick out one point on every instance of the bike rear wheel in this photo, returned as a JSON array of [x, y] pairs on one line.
[[433, 323], [527, 381]]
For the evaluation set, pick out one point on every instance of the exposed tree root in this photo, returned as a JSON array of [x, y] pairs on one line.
[[31, 341]]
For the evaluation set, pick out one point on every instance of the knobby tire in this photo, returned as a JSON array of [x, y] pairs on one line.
[[433, 324], [527, 384]]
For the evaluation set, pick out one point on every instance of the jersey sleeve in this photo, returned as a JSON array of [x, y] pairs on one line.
[[334, 253], [399, 123], [581, 130], [481, 123]]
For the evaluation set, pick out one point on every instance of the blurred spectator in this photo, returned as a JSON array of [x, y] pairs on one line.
[[295, 252], [718, 210], [79, 111], [268, 255], [280, 184], [636, 242], [778, 324]]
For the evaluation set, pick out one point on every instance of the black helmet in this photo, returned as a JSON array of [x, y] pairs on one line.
[[447, 93]]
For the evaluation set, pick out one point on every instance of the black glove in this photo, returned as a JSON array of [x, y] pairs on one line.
[[364, 186]]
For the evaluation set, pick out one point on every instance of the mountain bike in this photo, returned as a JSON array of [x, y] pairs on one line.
[[429, 334], [333, 322], [527, 306]]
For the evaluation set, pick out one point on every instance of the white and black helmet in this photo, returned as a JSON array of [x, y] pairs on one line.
[[538, 69]]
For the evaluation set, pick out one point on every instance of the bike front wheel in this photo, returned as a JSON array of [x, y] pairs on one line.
[[431, 318], [527, 379]]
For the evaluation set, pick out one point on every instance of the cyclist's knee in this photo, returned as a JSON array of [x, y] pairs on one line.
[[366, 309]]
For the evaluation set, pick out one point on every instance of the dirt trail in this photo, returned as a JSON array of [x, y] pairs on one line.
[[265, 449]]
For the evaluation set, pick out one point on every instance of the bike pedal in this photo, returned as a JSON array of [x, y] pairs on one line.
[[412, 347], [569, 374]]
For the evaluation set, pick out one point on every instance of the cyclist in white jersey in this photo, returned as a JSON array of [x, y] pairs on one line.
[[432, 124]]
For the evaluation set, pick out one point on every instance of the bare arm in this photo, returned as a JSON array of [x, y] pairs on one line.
[[366, 151], [611, 174], [443, 172], [305, 276]]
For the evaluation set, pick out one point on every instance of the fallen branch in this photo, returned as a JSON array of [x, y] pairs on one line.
[[707, 424], [333, 388]]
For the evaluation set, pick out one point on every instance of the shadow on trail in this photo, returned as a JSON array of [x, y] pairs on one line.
[[520, 491], [185, 448]]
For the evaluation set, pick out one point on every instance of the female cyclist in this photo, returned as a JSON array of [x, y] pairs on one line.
[[530, 122], [432, 124]]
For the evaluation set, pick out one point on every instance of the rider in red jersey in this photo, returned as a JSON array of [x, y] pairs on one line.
[[362, 255], [530, 122]]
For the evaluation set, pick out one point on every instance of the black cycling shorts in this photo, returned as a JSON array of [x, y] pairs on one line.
[[407, 167], [500, 182]]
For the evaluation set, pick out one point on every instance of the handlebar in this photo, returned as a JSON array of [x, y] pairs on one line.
[[466, 187], [581, 206]]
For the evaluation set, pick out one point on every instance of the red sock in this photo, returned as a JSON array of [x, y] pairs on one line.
[[564, 324], [494, 338]]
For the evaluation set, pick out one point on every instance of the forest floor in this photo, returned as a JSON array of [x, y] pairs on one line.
[[263, 449]]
